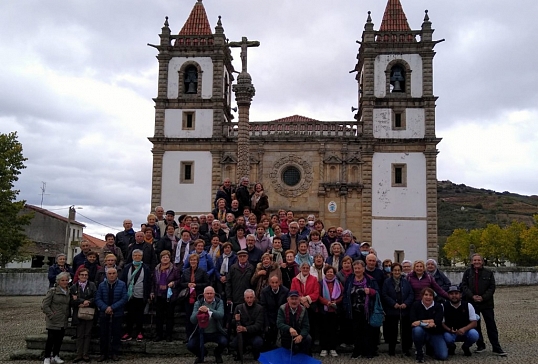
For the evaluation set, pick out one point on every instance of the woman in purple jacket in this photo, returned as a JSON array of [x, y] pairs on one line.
[[420, 279]]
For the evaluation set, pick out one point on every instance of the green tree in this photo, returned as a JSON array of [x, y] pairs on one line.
[[493, 243], [457, 246], [12, 220], [514, 249], [530, 242]]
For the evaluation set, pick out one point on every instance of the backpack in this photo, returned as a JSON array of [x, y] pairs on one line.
[[378, 315]]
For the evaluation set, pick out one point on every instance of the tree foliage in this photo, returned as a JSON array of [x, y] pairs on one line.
[[12, 221]]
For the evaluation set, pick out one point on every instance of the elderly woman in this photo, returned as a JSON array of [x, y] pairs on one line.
[[335, 256], [205, 261], [220, 211], [315, 245], [302, 254], [264, 271], [55, 306], [440, 278], [195, 279], [289, 268], [91, 265], [386, 267], [259, 202], [351, 248], [308, 287], [164, 291], [426, 318], [331, 296], [82, 295], [419, 280], [110, 262], [59, 267], [224, 263], [359, 299], [407, 267], [397, 297], [317, 269]]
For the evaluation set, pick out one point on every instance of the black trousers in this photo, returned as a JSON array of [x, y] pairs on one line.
[[110, 328], [390, 332], [135, 315], [270, 337], [329, 327], [54, 342], [164, 314], [491, 327], [363, 335]]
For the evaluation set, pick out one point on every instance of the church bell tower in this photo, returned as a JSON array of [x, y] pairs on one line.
[[397, 115]]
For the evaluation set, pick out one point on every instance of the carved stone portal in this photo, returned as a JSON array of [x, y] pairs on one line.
[[302, 186]]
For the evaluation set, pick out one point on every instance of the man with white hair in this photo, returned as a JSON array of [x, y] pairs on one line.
[[249, 323]]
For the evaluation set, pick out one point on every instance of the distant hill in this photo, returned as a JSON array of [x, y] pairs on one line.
[[464, 207]]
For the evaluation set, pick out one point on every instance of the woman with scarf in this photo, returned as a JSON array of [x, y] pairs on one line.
[[229, 224], [251, 224], [346, 326], [91, 265], [215, 249], [359, 299], [277, 252], [219, 213], [59, 267], [335, 257], [315, 246], [55, 306], [82, 295], [259, 202], [308, 287], [110, 262], [164, 291], [205, 262], [264, 271], [317, 269], [397, 297], [330, 298], [289, 269], [195, 279], [302, 254], [224, 262], [168, 241], [420, 279], [137, 278]]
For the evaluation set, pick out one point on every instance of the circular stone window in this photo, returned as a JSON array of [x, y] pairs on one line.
[[291, 176]]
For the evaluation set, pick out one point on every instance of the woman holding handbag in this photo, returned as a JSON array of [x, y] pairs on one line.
[[82, 301]]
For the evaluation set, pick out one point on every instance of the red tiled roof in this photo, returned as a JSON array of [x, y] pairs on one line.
[[94, 242], [296, 119], [52, 214], [197, 23], [394, 19]]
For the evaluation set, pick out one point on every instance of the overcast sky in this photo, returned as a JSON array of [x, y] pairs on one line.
[[77, 80]]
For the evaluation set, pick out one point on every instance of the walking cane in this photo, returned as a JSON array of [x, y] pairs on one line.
[[239, 339], [291, 350]]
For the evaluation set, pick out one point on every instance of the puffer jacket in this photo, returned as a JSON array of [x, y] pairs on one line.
[[119, 298], [55, 306]]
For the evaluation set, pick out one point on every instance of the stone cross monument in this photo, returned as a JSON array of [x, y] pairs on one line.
[[244, 92]]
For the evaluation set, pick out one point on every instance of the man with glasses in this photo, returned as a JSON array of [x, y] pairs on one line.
[[291, 239]]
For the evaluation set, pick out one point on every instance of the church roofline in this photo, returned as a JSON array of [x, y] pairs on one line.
[[197, 22], [394, 19]]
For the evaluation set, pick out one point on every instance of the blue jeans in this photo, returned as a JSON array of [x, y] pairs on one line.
[[468, 339], [422, 336]]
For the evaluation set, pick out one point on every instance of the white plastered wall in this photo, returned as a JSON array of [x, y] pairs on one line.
[[203, 124], [380, 78], [414, 124], [206, 64], [409, 236], [194, 197]]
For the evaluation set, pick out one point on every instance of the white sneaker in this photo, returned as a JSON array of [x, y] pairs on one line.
[[57, 360], [46, 361], [343, 345], [333, 353], [323, 353]]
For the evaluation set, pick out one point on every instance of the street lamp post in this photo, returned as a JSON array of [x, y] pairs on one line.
[[70, 217]]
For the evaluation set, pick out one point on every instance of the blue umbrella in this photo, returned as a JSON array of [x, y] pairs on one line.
[[283, 356]]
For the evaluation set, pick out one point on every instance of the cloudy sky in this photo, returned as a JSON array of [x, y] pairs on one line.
[[77, 80]]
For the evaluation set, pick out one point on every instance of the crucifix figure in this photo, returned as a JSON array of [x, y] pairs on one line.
[[244, 44]]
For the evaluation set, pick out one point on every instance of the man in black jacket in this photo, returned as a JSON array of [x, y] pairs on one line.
[[126, 237], [478, 287], [271, 298], [148, 257], [249, 323], [238, 279], [242, 194]]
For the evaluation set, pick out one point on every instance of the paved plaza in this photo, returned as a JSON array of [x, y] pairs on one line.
[[516, 311]]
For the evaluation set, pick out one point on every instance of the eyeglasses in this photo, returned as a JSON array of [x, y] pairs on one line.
[[332, 231]]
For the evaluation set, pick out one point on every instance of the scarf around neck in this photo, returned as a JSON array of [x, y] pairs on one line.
[[336, 292]]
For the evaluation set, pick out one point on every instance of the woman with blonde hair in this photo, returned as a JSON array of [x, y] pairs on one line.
[[420, 279]]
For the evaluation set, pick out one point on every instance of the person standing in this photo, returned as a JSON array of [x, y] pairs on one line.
[[82, 295], [271, 298], [111, 298], [55, 306], [478, 287]]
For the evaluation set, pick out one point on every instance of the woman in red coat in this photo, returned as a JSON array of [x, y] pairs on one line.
[[308, 287]]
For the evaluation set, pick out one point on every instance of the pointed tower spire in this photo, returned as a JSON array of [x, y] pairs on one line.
[[394, 19], [197, 23]]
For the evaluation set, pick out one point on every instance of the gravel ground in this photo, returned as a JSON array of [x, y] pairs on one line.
[[516, 310]]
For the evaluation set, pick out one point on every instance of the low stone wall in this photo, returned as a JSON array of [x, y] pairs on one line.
[[23, 282], [504, 276]]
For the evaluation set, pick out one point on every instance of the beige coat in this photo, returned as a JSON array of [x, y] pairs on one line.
[[55, 306]]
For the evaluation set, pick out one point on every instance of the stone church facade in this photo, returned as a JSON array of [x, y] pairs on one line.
[[375, 175]]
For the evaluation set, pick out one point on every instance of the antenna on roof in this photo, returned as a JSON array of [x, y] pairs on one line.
[[43, 188]]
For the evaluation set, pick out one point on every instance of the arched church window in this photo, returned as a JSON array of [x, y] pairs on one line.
[[191, 80], [397, 79]]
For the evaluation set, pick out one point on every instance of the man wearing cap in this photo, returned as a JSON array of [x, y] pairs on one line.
[[459, 323], [292, 321], [238, 279], [169, 218]]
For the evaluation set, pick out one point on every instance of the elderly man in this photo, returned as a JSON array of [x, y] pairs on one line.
[[271, 298], [214, 332], [225, 191], [292, 321], [291, 239], [159, 213], [254, 254], [478, 287], [234, 209], [80, 258], [460, 322], [238, 278], [137, 277], [126, 237], [249, 323], [149, 258], [215, 231], [242, 194], [111, 298], [111, 248]]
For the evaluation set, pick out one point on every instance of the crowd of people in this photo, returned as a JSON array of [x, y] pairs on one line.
[[246, 278]]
